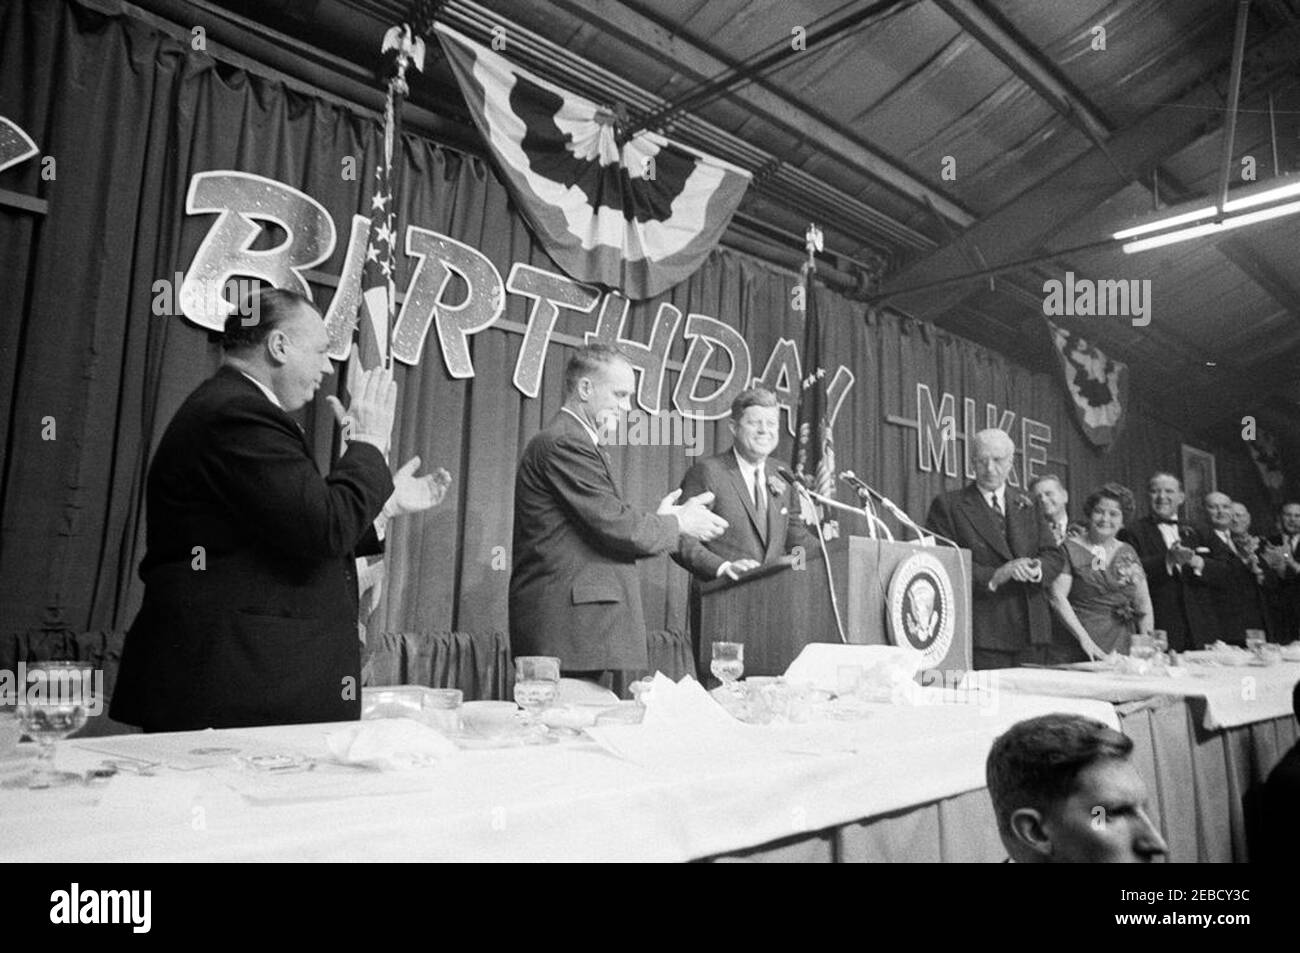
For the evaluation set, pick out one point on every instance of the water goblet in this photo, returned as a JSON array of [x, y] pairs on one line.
[[728, 663], [537, 683], [56, 703]]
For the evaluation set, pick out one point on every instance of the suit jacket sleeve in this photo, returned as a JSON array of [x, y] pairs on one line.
[[580, 481], [259, 464], [940, 520], [1154, 555], [1050, 555], [691, 554]]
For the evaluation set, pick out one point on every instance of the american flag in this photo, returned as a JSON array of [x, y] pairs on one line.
[[814, 460], [378, 278]]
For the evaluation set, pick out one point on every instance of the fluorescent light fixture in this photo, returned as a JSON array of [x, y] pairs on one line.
[[1260, 198], [1169, 238], [1193, 216], [1210, 228]]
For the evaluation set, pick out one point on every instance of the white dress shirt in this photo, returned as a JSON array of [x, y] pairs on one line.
[[270, 394], [747, 471]]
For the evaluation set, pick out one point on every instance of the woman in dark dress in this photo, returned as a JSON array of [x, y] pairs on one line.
[[1101, 595]]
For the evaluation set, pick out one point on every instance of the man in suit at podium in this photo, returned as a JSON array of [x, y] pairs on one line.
[[1013, 557], [761, 509], [1178, 574]]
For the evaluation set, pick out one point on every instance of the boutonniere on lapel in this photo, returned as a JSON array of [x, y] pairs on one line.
[[1023, 502], [1185, 532], [776, 485]]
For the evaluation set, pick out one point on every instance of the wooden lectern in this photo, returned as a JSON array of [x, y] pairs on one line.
[[778, 609]]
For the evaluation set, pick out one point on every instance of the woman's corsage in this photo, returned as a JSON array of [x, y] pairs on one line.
[[1128, 568]]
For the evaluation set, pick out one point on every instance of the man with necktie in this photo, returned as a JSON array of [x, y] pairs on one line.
[[1240, 603], [1179, 576], [1013, 557], [574, 589], [1053, 500], [1281, 558], [761, 509]]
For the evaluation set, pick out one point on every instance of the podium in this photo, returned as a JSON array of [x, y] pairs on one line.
[[779, 608]]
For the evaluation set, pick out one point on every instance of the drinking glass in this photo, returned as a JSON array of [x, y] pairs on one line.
[[537, 683], [1142, 647], [55, 703], [1161, 639], [1255, 639], [442, 709], [728, 662]]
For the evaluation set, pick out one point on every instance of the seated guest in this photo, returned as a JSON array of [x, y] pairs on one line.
[[1281, 822], [760, 508], [1013, 557], [1052, 499], [1101, 595], [1239, 603], [1178, 575], [1281, 558], [1064, 791]]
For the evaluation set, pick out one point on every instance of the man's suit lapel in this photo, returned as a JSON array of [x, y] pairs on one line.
[[569, 425], [981, 517], [237, 379], [745, 493]]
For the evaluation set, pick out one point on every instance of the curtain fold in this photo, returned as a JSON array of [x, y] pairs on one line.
[[131, 114]]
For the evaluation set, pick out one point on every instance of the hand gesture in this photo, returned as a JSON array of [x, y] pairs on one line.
[[694, 518], [374, 404], [412, 494], [736, 568]]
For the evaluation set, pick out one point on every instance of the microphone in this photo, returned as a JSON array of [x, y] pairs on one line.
[[865, 491], [789, 477], [851, 478]]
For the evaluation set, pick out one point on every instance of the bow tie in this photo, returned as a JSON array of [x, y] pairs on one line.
[[1171, 521]]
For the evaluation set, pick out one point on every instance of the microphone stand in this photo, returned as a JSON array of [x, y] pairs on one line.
[[821, 539]]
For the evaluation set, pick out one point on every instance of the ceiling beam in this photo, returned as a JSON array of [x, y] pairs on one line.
[[1020, 228], [638, 30], [1029, 64]]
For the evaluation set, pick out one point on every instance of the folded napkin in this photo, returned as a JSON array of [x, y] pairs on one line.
[[389, 744], [883, 673]]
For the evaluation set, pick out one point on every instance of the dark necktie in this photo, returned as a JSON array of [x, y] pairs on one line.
[[999, 518], [760, 498]]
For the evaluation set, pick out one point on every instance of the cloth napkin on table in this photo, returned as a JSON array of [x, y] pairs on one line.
[[389, 744]]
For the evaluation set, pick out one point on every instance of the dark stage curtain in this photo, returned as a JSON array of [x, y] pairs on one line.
[[130, 112]]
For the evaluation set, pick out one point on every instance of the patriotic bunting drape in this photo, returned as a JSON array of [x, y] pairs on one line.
[[639, 216]]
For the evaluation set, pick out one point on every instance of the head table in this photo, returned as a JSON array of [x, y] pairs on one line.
[[901, 782]]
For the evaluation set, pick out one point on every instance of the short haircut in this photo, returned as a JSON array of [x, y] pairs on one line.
[[1288, 503], [992, 435], [757, 396], [1164, 473], [1036, 762], [259, 313], [1043, 477], [586, 361], [1106, 492]]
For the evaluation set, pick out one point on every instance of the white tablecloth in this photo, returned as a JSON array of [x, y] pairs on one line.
[[1232, 695], [571, 801]]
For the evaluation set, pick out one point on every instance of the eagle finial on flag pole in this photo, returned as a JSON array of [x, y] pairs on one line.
[[410, 50]]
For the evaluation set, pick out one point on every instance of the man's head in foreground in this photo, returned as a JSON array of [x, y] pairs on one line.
[[1064, 791]]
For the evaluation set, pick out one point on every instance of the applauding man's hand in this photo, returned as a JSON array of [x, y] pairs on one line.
[[374, 403], [694, 518], [412, 494]]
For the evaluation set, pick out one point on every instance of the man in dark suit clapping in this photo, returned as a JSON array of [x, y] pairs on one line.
[[1013, 557], [1281, 558], [250, 607], [1178, 574], [574, 589]]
